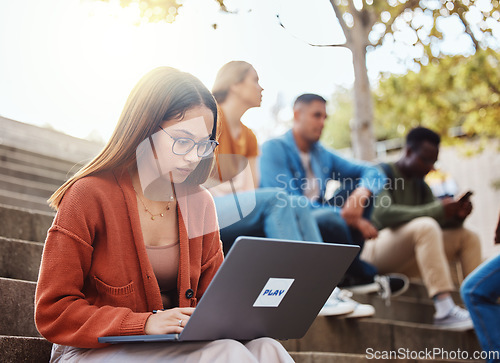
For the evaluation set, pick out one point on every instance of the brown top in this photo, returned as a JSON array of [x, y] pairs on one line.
[[246, 145], [165, 263]]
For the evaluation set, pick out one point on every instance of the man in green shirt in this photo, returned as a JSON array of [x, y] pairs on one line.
[[421, 234]]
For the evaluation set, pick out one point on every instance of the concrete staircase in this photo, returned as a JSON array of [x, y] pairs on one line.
[[27, 179]]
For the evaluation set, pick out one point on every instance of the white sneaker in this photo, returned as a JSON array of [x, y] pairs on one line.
[[337, 306], [457, 319], [360, 310]]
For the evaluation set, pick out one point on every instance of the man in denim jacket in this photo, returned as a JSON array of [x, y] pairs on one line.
[[298, 163]]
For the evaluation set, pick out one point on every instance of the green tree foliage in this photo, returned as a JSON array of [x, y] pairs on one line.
[[337, 131], [367, 24], [155, 10], [452, 92], [413, 24]]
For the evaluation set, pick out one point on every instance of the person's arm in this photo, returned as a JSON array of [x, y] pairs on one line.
[[454, 211], [389, 214], [366, 180], [352, 212], [355, 173], [62, 315], [275, 170]]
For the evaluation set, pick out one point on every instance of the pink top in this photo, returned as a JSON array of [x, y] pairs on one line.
[[165, 263]]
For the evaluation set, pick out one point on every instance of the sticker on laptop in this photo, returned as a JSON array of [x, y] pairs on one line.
[[274, 291]]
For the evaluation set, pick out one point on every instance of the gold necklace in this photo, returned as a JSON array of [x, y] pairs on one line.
[[147, 209]]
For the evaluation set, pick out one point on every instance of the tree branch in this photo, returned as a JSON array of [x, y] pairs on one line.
[[493, 88], [352, 8], [481, 105], [468, 30], [345, 28], [344, 45]]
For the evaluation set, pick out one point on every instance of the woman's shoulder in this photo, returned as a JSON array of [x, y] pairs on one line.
[[95, 186]]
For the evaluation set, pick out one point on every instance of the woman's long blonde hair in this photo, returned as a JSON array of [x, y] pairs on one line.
[[163, 94], [231, 73]]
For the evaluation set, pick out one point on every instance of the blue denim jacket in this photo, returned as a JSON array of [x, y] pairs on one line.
[[281, 166]]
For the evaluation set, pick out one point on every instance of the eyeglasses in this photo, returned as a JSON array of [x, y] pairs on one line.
[[183, 145]]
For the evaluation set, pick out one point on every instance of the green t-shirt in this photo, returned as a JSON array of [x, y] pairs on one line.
[[404, 199]]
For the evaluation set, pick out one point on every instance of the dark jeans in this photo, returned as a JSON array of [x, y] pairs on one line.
[[275, 214], [335, 230]]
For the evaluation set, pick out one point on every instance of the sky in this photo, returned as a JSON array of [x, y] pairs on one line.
[[71, 64]]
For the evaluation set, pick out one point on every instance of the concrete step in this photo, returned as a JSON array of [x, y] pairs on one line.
[[37, 350], [32, 173], [323, 357], [24, 201], [401, 308], [418, 291], [27, 158], [20, 259], [47, 142], [29, 349], [358, 336], [24, 186], [327, 334], [24, 224], [17, 307], [24, 349]]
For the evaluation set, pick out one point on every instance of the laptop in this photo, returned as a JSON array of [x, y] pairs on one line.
[[264, 288]]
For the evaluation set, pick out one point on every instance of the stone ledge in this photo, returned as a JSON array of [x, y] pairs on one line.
[[24, 186], [24, 224], [32, 173], [47, 142], [22, 200], [28, 158], [18, 308], [20, 259], [322, 357], [24, 349], [330, 334]]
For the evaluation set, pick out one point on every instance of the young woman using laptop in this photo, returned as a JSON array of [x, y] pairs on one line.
[[134, 232]]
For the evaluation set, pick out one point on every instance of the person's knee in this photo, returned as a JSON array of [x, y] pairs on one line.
[[275, 197], [426, 225], [465, 289], [472, 239], [230, 350], [268, 349], [265, 342], [478, 288]]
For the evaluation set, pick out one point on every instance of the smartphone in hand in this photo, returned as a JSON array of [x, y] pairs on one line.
[[465, 197]]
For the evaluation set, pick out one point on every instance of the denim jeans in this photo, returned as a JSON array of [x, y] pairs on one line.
[[276, 215], [480, 293], [335, 230]]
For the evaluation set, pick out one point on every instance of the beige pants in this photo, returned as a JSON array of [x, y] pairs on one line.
[[224, 351], [420, 248]]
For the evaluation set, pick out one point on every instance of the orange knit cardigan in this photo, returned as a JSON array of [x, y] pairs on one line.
[[95, 277]]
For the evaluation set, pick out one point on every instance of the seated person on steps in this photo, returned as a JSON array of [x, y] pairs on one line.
[[300, 165], [412, 239]]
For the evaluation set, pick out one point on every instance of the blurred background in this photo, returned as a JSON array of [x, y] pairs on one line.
[[69, 66]]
